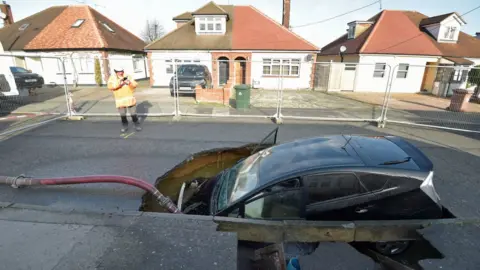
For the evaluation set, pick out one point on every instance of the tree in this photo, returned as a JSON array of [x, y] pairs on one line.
[[98, 72], [474, 76], [152, 31]]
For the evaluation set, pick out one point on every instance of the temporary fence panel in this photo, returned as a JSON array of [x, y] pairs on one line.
[[446, 97], [24, 88], [90, 94], [207, 88], [332, 93], [26, 96]]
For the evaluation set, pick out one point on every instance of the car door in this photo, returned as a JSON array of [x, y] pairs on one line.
[[267, 141], [282, 201], [335, 196]]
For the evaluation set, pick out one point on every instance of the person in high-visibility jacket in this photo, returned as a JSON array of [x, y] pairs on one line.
[[123, 87]]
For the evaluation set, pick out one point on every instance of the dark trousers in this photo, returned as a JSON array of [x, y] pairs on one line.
[[133, 113]]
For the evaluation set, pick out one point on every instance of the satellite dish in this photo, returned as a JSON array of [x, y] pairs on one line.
[[3, 16], [343, 49]]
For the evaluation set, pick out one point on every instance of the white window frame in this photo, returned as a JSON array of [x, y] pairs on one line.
[[402, 72], [86, 65], [137, 63], [110, 29], [285, 66], [208, 25], [78, 23], [378, 69], [351, 32]]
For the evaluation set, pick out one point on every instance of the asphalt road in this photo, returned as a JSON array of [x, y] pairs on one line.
[[96, 147]]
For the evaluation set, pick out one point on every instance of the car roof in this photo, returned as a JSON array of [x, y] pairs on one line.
[[306, 154], [324, 153]]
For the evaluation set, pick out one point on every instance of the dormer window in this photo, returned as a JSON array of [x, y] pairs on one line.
[[205, 25], [450, 32], [351, 32]]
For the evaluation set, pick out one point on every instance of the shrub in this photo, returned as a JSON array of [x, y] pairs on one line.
[[98, 72]]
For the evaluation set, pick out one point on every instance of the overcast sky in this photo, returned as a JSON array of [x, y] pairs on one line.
[[132, 14]]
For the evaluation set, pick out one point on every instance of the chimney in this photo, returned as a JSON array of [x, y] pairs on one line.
[[286, 14], [6, 14], [477, 35]]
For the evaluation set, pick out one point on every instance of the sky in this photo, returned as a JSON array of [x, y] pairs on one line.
[[133, 14]]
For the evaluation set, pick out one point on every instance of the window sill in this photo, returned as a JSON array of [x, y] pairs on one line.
[[279, 76], [138, 71]]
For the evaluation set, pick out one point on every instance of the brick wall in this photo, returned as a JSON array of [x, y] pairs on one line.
[[312, 74], [219, 95], [150, 68], [231, 57], [105, 66]]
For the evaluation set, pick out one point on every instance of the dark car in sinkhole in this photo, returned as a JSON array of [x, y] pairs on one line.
[[334, 178]]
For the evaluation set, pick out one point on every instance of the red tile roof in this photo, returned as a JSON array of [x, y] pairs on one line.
[[253, 30], [246, 29], [399, 32], [51, 29]]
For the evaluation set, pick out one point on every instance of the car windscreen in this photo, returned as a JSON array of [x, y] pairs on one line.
[[190, 70], [238, 181], [18, 70]]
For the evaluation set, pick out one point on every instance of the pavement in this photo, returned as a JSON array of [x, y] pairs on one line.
[[413, 108], [46, 240]]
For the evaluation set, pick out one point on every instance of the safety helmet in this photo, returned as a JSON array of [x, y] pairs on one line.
[[118, 69]]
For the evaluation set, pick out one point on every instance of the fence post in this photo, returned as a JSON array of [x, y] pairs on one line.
[[68, 95], [391, 76], [175, 91]]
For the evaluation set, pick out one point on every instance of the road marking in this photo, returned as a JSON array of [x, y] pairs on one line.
[[126, 136]]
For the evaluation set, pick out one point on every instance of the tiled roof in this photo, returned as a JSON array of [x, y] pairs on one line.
[[184, 16], [399, 32], [52, 29], [210, 9], [247, 29]]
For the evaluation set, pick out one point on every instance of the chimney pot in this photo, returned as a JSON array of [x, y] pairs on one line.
[[5, 9], [286, 14]]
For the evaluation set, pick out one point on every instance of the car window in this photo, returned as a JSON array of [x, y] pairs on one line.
[[326, 187], [285, 204], [373, 182], [18, 70]]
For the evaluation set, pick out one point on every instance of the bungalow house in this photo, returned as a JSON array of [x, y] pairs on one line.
[[409, 41], [238, 44], [78, 33]]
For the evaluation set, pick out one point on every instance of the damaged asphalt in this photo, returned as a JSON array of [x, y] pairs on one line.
[[32, 238]]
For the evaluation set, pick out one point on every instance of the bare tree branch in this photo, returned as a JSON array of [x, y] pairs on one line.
[[152, 31]]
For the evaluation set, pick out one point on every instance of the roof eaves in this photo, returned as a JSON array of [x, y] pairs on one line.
[[282, 27], [168, 34]]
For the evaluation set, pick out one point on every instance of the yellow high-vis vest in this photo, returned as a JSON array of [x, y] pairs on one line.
[[123, 96]]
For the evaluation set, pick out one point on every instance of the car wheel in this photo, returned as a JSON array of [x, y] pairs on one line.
[[391, 248]]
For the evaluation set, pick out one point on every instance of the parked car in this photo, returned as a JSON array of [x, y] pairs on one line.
[[335, 178], [25, 79], [189, 76]]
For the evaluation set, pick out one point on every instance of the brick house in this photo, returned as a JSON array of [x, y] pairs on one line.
[[238, 44], [410, 41], [78, 33]]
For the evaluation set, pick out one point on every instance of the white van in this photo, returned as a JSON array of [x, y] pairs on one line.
[[7, 81]]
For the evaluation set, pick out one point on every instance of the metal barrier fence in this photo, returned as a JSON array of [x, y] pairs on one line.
[[281, 88], [446, 97]]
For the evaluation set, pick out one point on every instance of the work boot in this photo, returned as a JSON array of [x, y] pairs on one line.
[[138, 127], [124, 129]]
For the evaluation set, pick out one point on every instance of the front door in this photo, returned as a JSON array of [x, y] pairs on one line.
[[223, 72], [348, 77], [239, 72]]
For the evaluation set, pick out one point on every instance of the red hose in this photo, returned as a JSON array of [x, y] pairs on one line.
[[26, 181]]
